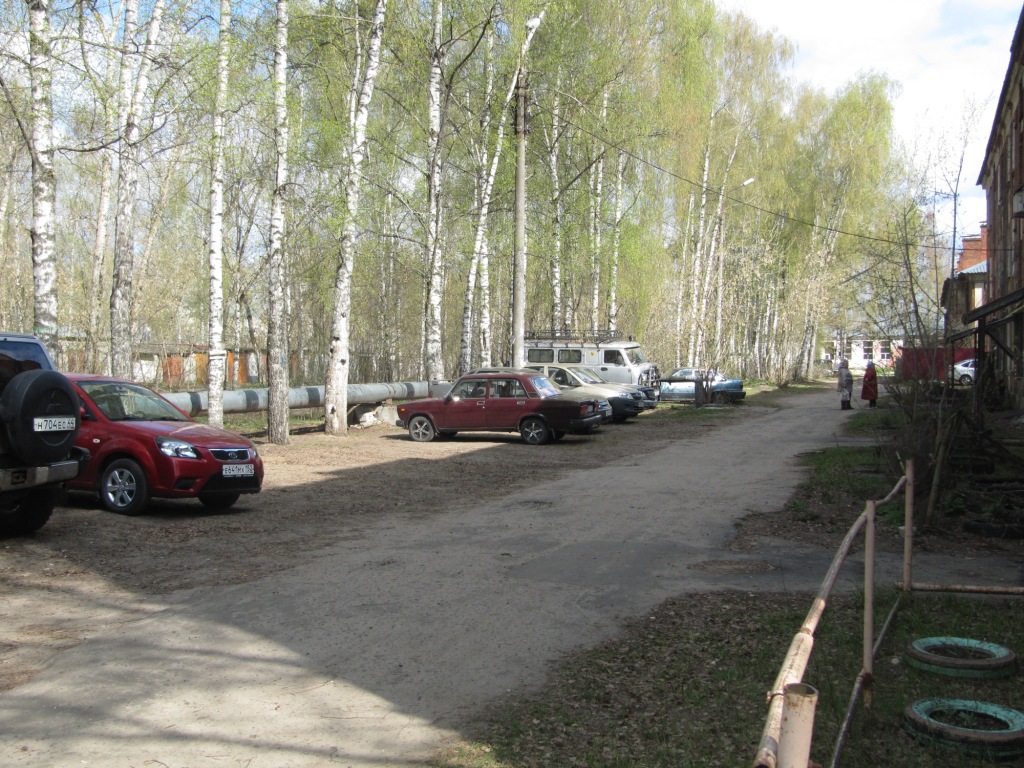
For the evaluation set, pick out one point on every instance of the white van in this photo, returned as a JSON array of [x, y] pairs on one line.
[[612, 357]]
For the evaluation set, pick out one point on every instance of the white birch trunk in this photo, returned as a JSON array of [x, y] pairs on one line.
[[558, 320], [481, 250], [121, 291], [433, 360], [470, 308], [681, 278], [696, 301], [720, 266], [218, 354], [44, 183], [99, 251], [596, 214], [277, 341], [613, 268], [336, 385]]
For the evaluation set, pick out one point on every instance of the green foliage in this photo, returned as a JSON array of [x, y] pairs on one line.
[[687, 88]]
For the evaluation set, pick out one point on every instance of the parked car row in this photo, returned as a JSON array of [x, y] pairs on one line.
[[544, 402], [507, 401], [133, 444]]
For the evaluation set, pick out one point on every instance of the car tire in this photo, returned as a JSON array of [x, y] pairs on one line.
[[967, 379], [534, 431], [719, 398], [921, 721], [961, 657], [39, 393], [421, 429], [123, 487], [218, 500], [30, 512]]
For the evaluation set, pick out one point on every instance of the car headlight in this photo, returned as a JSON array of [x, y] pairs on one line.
[[177, 449]]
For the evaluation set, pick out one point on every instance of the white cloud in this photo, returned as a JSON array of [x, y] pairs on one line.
[[943, 53]]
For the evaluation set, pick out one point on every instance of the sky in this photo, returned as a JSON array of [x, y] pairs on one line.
[[946, 55]]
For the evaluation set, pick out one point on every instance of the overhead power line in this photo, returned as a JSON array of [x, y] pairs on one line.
[[738, 201]]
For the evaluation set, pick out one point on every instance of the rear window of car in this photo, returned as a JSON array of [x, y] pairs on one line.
[[17, 358], [544, 387]]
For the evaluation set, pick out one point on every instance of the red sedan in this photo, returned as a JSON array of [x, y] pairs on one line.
[[142, 446], [510, 401]]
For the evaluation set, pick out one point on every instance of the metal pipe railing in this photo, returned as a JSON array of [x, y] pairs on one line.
[[795, 662]]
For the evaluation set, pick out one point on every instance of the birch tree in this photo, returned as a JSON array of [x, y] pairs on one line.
[[44, 184], [336, 387], [277, 340], [218, 354], [432, 329], [480, 246], [133, 90]]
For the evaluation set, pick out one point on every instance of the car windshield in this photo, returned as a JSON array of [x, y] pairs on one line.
[[544, 387], [635, 356], [685, 373], [587, 376], [119, 401]]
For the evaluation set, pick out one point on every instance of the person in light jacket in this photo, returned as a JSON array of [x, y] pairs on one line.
[[845, 386]]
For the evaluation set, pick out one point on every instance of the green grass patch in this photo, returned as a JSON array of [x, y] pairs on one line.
[[858, 472], [255, 424], [872, 421], [688, 411]]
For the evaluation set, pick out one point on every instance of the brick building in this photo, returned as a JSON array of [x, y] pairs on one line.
[[965, 290], [999, 333]]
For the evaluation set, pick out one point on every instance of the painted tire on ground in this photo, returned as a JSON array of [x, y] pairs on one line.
[[999, 735], [961, 657]]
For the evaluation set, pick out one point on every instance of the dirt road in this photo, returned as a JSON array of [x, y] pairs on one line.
[[378, 592]]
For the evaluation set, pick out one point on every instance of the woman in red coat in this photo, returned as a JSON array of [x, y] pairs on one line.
[[869, 389]]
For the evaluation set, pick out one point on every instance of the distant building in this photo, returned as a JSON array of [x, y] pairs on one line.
[[998, 335], [965, 290]]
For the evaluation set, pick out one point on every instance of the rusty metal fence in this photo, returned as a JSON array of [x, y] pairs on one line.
[[795, 663]]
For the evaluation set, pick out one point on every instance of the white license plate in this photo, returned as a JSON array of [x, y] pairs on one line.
[[238, 470], [53, 424]]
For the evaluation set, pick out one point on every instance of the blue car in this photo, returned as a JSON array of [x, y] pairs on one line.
[[679, 386]]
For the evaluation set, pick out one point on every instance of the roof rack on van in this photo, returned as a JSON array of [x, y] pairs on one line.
[[588, 335]]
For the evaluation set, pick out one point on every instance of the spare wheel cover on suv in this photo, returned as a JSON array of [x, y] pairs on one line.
[[30, 395]]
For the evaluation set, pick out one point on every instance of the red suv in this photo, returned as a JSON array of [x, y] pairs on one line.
[[524, 402], [142, 446]]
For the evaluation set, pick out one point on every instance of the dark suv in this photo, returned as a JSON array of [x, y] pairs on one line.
[[39, 419]]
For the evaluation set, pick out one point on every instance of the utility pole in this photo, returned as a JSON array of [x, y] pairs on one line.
[[519, 263]]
